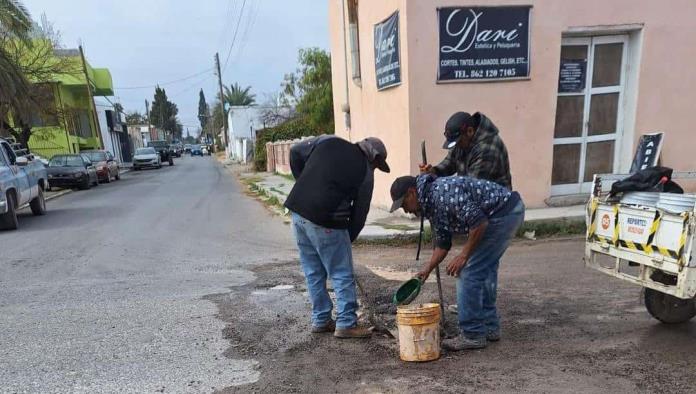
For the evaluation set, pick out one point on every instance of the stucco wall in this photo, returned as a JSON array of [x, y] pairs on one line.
[[524, 111], [381, 114]]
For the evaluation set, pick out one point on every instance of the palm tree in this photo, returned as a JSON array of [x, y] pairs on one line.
[[235, 95], [15, 18], [15, 24]]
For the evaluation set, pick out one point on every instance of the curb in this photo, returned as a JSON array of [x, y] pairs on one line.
[[49, 198], [58, 194], [541, 228]]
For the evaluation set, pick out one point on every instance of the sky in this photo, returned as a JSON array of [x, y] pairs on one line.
[[149, 42]]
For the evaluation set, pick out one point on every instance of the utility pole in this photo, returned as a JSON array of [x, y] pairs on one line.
[[92, 104], [222, 102]]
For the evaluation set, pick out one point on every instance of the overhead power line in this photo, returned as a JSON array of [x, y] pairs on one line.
[[193, 85], [234, 37], [166, 83], [253, 13], [229, 14]]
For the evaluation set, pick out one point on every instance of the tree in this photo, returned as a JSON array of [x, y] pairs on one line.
[[216, 120], [15, 24], [38, 60], [135, 118], [311, 88], [276, 110], [203, 110], [163, 113], [236, 95], [118, 108]]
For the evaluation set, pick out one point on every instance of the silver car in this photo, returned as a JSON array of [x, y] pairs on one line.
[[146, 158]]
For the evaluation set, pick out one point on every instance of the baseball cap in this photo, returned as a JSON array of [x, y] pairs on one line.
[[453, 128], [376, 152], [399, 189]]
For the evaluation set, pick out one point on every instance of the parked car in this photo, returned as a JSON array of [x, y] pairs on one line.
[[187, 148], [162, 147], [196, 150], [74, 170], [22, 181], [176, 151], [107, 166], [146, 157]]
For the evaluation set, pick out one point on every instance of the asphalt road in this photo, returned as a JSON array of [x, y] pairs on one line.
[[110, 291]]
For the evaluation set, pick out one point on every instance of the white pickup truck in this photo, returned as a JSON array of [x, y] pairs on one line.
[[646, 239], [22, 181]]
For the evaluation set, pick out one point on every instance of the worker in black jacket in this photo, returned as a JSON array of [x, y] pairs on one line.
[[329, 205]]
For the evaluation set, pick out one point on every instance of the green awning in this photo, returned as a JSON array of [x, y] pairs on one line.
[[103, 84]]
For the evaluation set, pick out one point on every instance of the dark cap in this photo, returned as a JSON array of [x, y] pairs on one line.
[[399, 189], [375, 151], [453, 128]]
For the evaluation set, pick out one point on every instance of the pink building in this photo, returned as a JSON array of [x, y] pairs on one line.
[[570, 84]]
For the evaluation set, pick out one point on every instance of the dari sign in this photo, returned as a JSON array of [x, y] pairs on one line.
[[483, 43], [387, 59]]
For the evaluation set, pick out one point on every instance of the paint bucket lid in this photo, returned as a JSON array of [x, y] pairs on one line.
[[407, 292]]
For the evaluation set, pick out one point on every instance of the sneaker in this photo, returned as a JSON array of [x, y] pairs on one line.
[[353, 332], [493, 336], [460, 342], [329, 327]]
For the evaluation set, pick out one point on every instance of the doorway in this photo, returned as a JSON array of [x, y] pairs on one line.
[[589, 111]]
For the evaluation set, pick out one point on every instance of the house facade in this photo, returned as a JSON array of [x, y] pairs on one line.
[[73, 124], [571, 85]]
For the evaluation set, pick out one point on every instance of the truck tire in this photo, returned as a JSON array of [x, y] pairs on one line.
[[669, 309], [38, 205], [8, 220]]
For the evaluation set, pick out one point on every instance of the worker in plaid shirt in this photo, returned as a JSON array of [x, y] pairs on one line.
[[476, 150]]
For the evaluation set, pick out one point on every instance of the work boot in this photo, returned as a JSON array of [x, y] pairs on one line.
[[493, 336], [353, 332], [460, 342], [328, 327]]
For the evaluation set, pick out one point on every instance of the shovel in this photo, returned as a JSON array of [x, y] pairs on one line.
[[420, 243]]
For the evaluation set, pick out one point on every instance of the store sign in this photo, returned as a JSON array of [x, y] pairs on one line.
[[571, 78], [483, 43], [647, 152], [387, 61]]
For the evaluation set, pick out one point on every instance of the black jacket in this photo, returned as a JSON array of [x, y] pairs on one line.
[[333, 186]]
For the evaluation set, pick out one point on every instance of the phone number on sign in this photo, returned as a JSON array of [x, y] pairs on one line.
[[491, 73]]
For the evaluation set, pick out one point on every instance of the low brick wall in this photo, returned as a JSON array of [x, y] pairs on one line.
[[278, 156]]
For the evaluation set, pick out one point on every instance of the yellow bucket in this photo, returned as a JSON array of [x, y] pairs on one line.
[[419, 332]]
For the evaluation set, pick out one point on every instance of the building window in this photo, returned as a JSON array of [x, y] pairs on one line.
[[353, 35], [77, 123]]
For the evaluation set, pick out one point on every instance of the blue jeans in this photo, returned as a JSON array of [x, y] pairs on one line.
[[326, 252], [478, 281]]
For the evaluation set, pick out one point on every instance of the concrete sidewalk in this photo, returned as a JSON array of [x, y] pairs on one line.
[[383, 225]]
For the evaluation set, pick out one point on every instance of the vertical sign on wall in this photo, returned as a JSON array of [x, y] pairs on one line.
[[483, 43], [387, 61]]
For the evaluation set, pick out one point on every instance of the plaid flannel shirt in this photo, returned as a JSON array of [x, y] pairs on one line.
[[486, 158]]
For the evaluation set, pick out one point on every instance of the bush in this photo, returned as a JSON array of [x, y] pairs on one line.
[[290, 130]]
